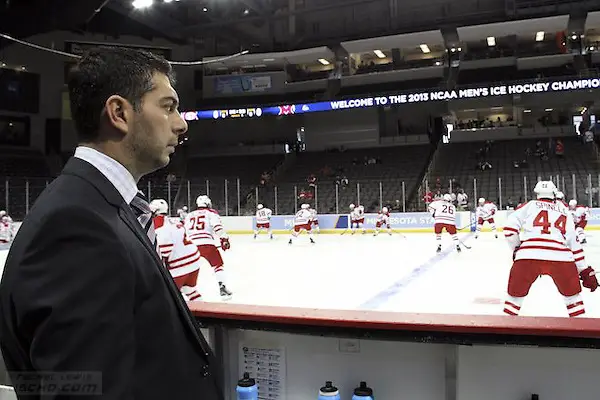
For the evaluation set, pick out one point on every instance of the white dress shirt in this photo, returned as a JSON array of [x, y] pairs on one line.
[[114, 171]]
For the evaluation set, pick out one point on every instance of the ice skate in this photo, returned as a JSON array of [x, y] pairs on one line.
[[312, 241], [439, 249], [458, 248], [224, 292], [290, 242]]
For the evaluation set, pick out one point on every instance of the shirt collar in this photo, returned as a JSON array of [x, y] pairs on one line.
[[114, 171]]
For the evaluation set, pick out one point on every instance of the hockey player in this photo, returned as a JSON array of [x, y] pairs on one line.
[[181, 257], [547, 246], [485, 213], [182, 213], [302, 223], [203, 226], [6, 228], [444, 214], [560, 197], [580, 215], [383, 218], [263, 220], [357, 218], [314, 219]]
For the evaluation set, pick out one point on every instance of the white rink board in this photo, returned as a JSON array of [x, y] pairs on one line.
[[387, 273]]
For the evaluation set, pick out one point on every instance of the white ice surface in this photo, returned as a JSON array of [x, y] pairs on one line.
[[388, 273]]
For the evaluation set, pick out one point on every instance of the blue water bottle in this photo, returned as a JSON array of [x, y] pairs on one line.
[[363, 392], [246, 388], [329, 392]]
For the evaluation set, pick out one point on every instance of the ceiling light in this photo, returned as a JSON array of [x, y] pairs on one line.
[[3, 64], [205, 9], [574, 37], [379, 53], [491, 41], [539, 36], [323, 61], [268, 59], [527, 111], [548, 109], [425, 48], [167, 1], [23, 68], [141, 4], [592, 48], [246, 11]]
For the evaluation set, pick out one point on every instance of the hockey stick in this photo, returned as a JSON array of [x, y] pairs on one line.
[[466, 246]]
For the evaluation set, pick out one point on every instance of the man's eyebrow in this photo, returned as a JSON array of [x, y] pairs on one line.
[[173, 99]]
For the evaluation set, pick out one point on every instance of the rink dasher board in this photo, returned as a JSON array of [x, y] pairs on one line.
[[414, 222]]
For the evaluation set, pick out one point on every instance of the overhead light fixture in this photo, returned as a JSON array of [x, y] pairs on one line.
[[491, 41], [438, 63], [592, 48], [379, 53], [527, 111], [539, 37], [323, 61], [425, 48], [268, 59], [548, 109], [246, 11], [497, 108], [167, 1], [3, 64], [205, 9], [23, 68], [574, 37], [141, 4]]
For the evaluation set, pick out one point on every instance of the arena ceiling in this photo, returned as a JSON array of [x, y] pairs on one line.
[[222, 26]]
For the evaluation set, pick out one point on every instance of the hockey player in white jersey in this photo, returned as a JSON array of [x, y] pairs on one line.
[[6, 228], [485, 213], [560, 198], [383, 219], [444, 214], [314, 219], [263, 220], [580, 217], [302, 223], [203, 227], [181, 256], [357, 218], [182, 213], [547, 245]]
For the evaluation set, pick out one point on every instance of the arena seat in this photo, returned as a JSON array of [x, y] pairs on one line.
[[395, 165], [459, 160]]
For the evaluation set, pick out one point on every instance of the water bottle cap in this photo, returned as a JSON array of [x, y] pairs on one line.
[[363, 390], [246, 381], [328, 388]]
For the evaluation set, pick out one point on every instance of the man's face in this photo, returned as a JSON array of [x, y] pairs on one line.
[[156, 128]]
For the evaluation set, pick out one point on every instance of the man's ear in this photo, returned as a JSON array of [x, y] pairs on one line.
[[119, 112]]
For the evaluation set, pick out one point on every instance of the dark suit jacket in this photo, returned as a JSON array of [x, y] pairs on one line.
[[83, 290]]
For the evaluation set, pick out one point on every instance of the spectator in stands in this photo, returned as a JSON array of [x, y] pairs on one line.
[[559, 149], [462, 200], [427, 198], [510, 204], [312, 181]]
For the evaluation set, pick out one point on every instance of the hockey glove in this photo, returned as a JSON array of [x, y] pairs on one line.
[[588, 279], [225, 245]]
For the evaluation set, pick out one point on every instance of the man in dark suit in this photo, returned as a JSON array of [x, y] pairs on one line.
[[83, 288]]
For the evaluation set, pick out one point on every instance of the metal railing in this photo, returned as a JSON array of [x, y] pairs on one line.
[[234, 197]]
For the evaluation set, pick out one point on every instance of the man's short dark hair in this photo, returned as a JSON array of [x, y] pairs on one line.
[[106, 71]]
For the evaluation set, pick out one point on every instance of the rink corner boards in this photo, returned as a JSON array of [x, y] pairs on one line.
[[406, 327]]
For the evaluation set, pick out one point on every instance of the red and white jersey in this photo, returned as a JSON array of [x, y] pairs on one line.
[[303, 217], [313, 215], [263, 216], [580, 214], [203, 226], [443, 212], [548, 233], [487, 210], [383, 218], [181, 256], [357, 213]]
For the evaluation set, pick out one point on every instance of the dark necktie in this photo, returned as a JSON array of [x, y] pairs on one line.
[[141, 209]]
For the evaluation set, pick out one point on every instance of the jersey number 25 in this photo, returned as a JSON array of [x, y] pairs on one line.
[[197, 223]]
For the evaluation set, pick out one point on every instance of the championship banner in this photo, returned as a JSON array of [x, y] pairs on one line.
[[400, 98], [241, 84]]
